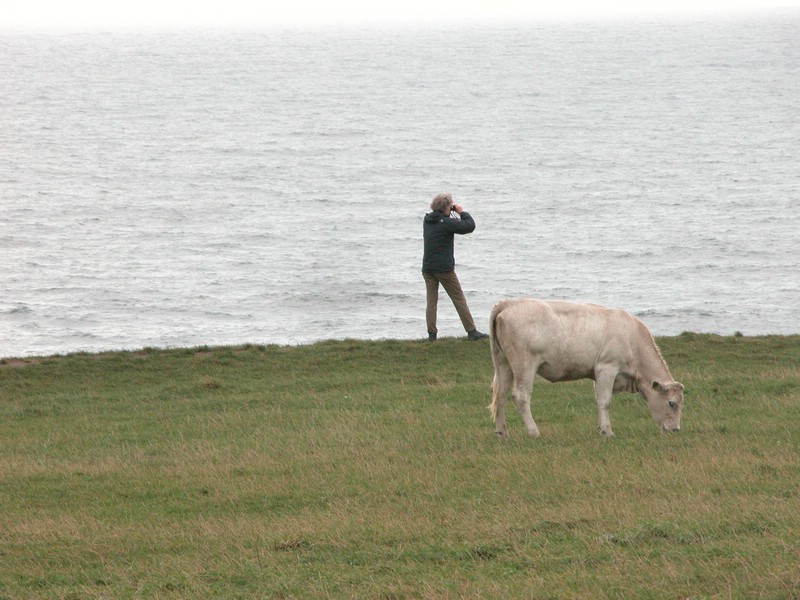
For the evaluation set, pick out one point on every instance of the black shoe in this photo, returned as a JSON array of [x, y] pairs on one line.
[[431, 337], [476, 335]]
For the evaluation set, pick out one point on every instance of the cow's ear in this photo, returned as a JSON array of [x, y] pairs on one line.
[[658, 386]]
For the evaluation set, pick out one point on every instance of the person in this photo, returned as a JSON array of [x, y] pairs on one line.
[[438, 262]]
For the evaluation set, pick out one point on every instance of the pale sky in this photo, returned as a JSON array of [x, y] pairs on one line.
[[58, 14]]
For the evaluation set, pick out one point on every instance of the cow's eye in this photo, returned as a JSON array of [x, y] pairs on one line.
[[672, 404]]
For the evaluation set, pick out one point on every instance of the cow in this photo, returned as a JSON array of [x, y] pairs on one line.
[[565, 341]]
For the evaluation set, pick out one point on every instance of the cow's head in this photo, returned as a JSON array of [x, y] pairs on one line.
[[665, 401]]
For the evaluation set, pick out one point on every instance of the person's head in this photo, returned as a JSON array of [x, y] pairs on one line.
[[442, 203]]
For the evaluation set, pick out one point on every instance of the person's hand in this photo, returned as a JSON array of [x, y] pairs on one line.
[[457, 208]]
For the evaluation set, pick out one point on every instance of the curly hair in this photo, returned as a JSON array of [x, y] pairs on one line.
[[441, 201]]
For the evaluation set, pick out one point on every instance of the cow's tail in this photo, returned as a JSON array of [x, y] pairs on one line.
[[498, 357], [494, 343]]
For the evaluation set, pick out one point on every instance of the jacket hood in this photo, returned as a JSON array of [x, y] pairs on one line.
[[434, 217]]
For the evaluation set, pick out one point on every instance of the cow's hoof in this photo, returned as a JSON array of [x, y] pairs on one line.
[[503, 435], [607, 433]]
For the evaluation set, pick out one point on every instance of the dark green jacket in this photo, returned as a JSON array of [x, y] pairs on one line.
[[438, 232]]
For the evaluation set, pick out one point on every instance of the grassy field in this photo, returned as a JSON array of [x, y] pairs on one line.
[[357, 469]]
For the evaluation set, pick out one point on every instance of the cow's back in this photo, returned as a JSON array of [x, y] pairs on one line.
[[564, 340]]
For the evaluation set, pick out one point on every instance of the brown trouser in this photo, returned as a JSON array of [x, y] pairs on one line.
[[452, 286]]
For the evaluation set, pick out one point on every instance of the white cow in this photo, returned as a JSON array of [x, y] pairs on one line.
[[564, 341]]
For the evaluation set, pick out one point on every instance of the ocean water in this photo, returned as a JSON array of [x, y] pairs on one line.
[[223, 187]]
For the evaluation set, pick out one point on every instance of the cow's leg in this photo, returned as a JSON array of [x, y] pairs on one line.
[[523, 386], [603, 392]]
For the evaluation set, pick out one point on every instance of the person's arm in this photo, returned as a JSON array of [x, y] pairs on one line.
[[466, 224]]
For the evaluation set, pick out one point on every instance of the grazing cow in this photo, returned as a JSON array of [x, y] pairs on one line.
[[564, 341]]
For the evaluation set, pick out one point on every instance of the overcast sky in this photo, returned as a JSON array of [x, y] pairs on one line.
[[202, 13]]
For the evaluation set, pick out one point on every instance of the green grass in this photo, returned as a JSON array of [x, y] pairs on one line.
[[371, 470]]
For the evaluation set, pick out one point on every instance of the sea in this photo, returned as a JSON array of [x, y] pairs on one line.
[[181, 188]]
